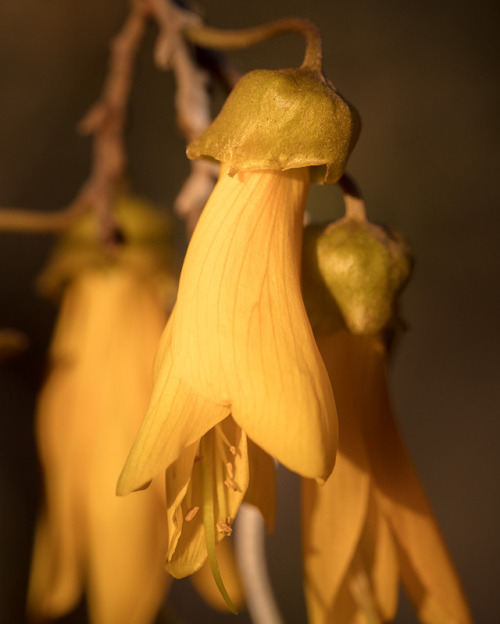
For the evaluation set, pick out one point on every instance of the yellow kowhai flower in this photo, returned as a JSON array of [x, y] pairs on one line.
[[239, 343], [370, 525], [238, 375], [98, 386], [88, 413]]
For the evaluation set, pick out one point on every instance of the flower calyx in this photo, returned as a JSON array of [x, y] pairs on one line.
[[142, 245], [282, 119], [356, 268]]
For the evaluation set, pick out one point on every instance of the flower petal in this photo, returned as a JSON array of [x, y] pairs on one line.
[[177, 416], [334, 514], [84, 437], [57, 567], [241, 334], [427, 570], [261, 490], [332, 520], [126, 542], [378, 552], [125, 538]]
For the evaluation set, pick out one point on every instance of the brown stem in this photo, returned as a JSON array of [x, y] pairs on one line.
[[235, 39], [30, 221], [106, 121], [353, 199], [192, 101]]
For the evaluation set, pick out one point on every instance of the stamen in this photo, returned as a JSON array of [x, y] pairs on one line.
[[191, 513], [231, 485], [222, 436], [209, 519], [198, 458], [230, 469], [224, 527]]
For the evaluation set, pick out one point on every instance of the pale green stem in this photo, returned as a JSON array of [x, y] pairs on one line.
[[207, 479]]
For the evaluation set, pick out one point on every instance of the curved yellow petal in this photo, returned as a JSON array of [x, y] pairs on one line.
[[177, 416], [261, 490], [344, 609], [332, 520], [178, 483], [334, 514], [427, 571], [56, 576], [241, 336], [126, 542], [57, 567], [377, 550]]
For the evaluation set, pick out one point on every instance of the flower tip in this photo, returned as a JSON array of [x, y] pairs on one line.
[[126, 485]]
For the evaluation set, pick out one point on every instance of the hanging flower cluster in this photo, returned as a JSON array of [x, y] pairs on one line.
[[275, 350]]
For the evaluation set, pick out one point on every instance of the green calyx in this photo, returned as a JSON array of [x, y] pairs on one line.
[[282, 119], [144, 248], [356, 268]]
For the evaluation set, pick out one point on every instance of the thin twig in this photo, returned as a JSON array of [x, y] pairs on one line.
[[221, 39], [105, 120], [30, 221], [192, 101]]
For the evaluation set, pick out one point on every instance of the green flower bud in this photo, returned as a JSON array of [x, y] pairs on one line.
[[282, 119], [356, 268]]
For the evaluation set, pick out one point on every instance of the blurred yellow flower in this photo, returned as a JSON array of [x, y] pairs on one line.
[[113, 310], [89, 410], [238, 342], [371, 524]]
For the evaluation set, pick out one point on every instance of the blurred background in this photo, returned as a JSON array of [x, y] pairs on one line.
[[424, 77]]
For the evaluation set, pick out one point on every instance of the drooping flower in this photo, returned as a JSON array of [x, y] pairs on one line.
[[239, 343], [98, 385], [370, 526], [238, 367]]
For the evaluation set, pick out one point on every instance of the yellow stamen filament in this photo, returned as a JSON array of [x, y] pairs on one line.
[[209, 522], [191, 513], [231, 485], [233, 450], [230, 469], [224, 527]]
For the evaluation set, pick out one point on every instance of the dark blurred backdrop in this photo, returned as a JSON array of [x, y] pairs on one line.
[[424, 76]]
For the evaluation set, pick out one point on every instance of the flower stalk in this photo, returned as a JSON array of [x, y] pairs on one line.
[[220, 39]]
